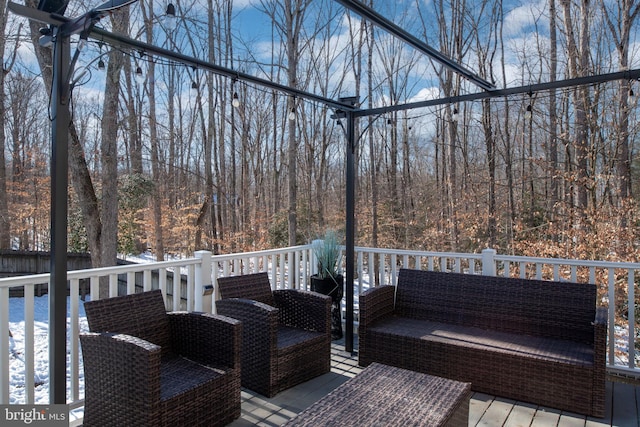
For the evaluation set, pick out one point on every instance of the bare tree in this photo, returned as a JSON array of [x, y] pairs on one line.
[[578, 56], [620, 17], [5, 226], [157, 196], [288, 17], [109, 147], [553, 121]]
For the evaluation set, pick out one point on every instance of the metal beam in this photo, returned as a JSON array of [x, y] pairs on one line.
[[371, 15], [532, 88]]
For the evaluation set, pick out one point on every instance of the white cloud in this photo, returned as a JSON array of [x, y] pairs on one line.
[[526, 18], [241, 4], [426, 94]]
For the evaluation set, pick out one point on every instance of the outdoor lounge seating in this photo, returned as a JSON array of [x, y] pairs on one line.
[[286, 333], [146, 367], [530, 340]]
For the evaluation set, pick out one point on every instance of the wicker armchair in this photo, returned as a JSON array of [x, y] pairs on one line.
[[286, 334], [146, 367]]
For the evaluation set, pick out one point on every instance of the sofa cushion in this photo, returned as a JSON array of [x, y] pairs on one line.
[[550, 349]]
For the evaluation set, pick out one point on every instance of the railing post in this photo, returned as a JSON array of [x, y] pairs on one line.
[[203, 287], [488, 262], [5, 373], [318, 243]]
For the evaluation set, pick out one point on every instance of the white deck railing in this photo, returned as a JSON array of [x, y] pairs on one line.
[[290, 268]]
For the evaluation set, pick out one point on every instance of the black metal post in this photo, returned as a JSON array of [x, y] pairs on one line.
[[59, 179], [350, 229]]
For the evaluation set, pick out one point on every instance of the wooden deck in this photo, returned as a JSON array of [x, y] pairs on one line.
[[623, 403]]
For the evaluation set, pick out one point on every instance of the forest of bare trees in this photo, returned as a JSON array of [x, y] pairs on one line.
[[170, 159]]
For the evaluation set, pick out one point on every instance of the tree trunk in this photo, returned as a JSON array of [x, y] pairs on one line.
[[158, 193], [578, 51], [5, 223], [620, 27], [109, 146], [553, 119]]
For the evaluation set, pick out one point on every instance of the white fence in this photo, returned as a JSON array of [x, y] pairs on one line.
[[291, 268]]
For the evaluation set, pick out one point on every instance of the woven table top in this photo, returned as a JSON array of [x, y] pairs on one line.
[[382, 395]]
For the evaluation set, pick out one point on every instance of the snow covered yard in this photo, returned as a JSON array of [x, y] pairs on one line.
[[41, 346]]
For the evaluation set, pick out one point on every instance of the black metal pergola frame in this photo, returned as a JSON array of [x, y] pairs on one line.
[[63, 28]]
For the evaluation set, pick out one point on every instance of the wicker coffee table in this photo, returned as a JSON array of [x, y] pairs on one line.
[[382, 395]]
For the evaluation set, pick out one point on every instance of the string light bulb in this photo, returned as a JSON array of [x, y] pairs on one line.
[[455, 116], [82, 43], [528, 112], [170, 17], [139, 75], [631, 97], [194, 85], [235, 101], [101, 65], [292, 114]]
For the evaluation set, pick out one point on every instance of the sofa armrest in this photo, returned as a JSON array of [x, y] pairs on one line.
[[376, 303], [120, 365], [600, 335], [206, 338], [304, 309]]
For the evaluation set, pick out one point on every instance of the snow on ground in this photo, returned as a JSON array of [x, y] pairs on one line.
[[17, 390]]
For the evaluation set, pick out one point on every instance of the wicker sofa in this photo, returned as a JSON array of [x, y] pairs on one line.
[[530, 340]]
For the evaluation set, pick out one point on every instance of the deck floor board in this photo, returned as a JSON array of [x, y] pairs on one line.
[[622, 408]]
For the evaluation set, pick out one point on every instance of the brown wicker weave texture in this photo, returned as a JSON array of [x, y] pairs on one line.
[[146, 367], [386, 396], [286, 334], [529, 340]]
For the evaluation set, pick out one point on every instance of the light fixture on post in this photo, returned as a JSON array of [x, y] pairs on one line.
[[170, 17]]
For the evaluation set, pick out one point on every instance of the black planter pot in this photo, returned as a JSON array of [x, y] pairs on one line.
[[334, 287]]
